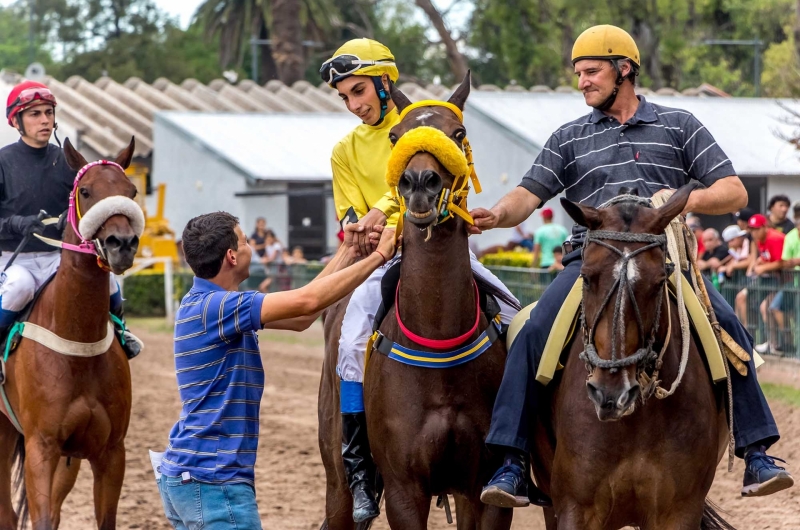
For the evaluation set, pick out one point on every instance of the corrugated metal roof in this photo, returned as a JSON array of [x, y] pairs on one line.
[[284, 146], [107, 113], [747, 129]]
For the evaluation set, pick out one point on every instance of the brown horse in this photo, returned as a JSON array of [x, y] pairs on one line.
[[613, 458], [426, 426], [72, 407]]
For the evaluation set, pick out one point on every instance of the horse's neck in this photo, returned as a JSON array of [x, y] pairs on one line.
[[437, 297], [80, 295]]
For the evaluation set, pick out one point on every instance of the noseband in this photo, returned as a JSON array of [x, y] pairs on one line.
[[623, 286]]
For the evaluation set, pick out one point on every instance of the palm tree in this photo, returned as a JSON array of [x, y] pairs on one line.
[[237, 21], [285, 23]]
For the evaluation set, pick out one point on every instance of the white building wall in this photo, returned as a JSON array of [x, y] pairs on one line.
[[197, 181], [786, 185], [501, 160]]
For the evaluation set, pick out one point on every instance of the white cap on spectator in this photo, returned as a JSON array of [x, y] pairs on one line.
[[732, 232]]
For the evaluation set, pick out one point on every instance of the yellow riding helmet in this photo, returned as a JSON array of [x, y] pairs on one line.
[[605, 42], [359, 57]]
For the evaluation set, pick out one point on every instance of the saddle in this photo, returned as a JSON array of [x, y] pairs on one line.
[[488, 306]]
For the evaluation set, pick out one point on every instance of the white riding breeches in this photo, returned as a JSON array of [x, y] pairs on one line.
[[27, 274], [360, 315]]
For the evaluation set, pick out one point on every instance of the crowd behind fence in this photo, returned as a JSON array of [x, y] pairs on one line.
[[529, 284]]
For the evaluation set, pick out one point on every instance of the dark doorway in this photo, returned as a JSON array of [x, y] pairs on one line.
[[307, 222]]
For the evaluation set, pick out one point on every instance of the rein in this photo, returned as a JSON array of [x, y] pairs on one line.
[[441, 344], [623, 286]]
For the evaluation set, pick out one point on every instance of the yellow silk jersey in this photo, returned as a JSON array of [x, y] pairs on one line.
[[359, 170]]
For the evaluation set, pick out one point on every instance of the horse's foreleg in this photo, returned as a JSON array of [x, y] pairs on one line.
[[407, 505], [8, 439], [63, 483], [41, 460], [108, 471], [493, 517]]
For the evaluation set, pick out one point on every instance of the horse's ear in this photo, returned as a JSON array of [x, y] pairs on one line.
[[401, 101], [125, 157], [75, 160], [583, 215], [459, 97], [673, 207]]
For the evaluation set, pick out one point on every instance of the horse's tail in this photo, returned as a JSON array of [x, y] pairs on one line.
[[713, 520], [500, 296], [19, 482]]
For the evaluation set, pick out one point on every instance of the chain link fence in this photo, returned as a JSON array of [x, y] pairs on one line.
[[768, 306]]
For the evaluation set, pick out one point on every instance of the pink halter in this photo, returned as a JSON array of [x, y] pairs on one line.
[[73, 214]]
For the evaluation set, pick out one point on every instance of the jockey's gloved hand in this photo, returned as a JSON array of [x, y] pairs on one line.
[[26, 224], [62, 221]]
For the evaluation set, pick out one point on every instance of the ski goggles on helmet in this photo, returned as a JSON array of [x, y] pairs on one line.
[[29, 96], [344, 65]]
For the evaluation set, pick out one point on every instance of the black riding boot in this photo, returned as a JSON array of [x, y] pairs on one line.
[[358, 466], [131, 344]]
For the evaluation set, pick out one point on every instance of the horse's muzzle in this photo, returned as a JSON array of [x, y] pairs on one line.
[[612, 405], [421, 190], [120, 251]]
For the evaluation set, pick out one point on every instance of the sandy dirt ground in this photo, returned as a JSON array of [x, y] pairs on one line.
[[289, 473]]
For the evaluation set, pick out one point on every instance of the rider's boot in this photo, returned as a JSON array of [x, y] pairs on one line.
[[359, 467], [131, 344], [763, 476], [7, 319], [511, 486]]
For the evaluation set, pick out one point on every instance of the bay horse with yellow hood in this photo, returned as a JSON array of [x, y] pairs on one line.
[[437, 359]]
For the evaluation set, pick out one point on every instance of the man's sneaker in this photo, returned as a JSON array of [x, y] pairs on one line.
[[762, 476], [762, 348], [507, 489]]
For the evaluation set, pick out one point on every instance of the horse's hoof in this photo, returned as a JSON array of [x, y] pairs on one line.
[[497, 497], [779, 482]]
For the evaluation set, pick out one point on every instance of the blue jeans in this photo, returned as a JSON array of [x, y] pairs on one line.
[[201, 506]]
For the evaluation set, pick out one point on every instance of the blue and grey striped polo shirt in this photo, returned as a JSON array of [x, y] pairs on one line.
[[220, 380], [593, 157]]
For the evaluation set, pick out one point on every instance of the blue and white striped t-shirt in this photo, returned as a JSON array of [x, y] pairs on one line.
[[220, 380], [592, 158]]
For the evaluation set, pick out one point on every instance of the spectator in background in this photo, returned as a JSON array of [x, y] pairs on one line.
[[738, 249], [744, 215], [298, 257], [776, 213], [557, 266], [716, 252], [769, 243], [273, 250], [785, 300], [258, 237], [520, 238], [547, 238]]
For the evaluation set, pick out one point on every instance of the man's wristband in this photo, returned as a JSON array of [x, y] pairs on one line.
[[385, 261]]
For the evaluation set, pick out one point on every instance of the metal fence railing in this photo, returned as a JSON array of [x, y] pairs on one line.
[[768, 306]]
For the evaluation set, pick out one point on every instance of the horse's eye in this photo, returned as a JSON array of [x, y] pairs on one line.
[[460, 135], [85, 193], [393, 138]]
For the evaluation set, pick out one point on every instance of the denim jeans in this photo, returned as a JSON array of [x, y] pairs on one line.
[[200, 506]]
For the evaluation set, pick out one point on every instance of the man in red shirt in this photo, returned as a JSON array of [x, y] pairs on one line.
[[769, 243]]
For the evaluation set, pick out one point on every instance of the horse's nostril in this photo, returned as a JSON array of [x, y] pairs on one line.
[[112, 243]]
